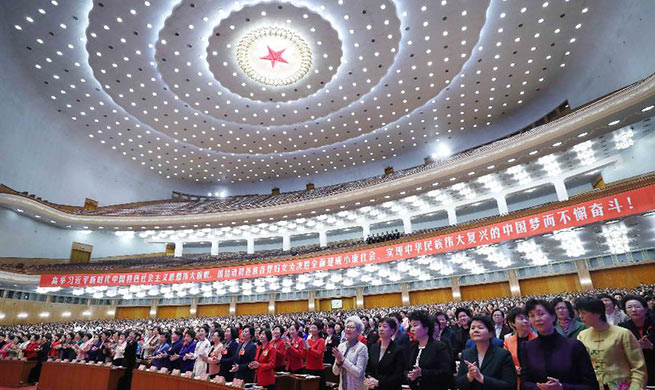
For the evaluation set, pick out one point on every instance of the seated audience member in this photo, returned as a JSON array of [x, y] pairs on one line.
[[515, 342], [463, 317], [187, 350], [174, 358], [615, 352], [245, 355], [294, 351], [264, 363], [485, 366], [385, 367], [160, 353], [351, 357], [428, 361], [642, 326], [278, 344], [229, 353], [200, 353], [552, 361], [215, 353], [500, 327], [331, 340], [613, 312], [314, 347], [566, 324]]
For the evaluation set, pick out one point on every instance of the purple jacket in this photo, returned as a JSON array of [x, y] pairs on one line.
[[559, 357], [187, 365]]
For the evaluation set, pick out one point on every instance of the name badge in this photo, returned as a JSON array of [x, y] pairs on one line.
[[265, 353], [224, 352], [241, 352], [295, 345]]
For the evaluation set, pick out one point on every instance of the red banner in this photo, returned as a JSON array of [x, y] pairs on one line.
[[617, 206]]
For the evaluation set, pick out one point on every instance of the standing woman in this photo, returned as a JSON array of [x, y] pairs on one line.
[[384, 370], [613, 313], [245, 355], [485, 366], [201, 353], [186, 353], [566, 324], [159, 354], [331, 340], [215, 353], [428, 365], [278, 344], [351, 357], [264, 362], [552, 361], [314, 348], [119, 351], [295, 353], [615, 352], [517, 318], [642, 327], [229, 353]]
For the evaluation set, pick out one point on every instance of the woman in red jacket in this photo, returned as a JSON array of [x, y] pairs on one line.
[[278, 344], [294, 351], [264, 361], [314, 348]]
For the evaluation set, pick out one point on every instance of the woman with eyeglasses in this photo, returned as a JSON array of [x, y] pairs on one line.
[[642, 327]]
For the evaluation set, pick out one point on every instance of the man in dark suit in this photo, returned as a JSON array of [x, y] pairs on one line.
[[41, 356], [245, 354], [500, 327]]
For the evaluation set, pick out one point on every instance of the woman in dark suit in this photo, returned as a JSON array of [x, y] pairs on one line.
[[385, 360], [485, 366], [229, 353], [428, 361]]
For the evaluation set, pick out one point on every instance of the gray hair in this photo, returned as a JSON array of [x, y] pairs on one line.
[[359, 325]]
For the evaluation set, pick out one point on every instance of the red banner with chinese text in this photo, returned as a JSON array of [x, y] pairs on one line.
[[602, 209]]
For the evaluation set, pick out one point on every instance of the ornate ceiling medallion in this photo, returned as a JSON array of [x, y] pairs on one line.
[[274, 56]]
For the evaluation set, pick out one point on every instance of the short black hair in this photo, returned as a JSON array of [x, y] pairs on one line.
[[282, 327], [611, 298], [191, 333], [462, 309], [251, 330], [531, 304], [515, 312], [591, 305], [632, 297], [267, 333], [568, 304], [488, 323], [178, 333], [497, 309], [397, 316], [424, 318], [234, 333], [319, 324], [391, 322], [221, 334]]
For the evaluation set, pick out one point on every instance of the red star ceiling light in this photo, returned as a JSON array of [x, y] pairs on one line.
[[274, 56]]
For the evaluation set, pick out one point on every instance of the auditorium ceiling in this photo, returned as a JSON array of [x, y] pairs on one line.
[[219, 91]]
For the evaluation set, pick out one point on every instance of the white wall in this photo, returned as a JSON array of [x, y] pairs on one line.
[[637, 160]]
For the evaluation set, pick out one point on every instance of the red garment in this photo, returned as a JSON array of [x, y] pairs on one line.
[[280, 352], [362, 339], [295, 354], [54, 351], [314, 354], [265, 374], [30, 351]]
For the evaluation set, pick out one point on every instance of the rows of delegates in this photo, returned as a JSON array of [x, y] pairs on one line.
[[570, 342]]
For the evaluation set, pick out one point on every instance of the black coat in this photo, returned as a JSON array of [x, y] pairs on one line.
[[390, 369], [228, 360], [460, 338], [435, 367], [175, 349], [327, 355], [649, 354], [402, 341], [243, 359], [497, 368]]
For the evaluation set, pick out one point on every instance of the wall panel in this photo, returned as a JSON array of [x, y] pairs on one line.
[[625, 277], [133, 312], [245, 309], [173, 311], [383, 300], [12, 307], [291, 306], [550, 284], [213, 310], [426, 297], [485, 291]]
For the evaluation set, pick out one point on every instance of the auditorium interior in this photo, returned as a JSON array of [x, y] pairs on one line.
[[203, 164]]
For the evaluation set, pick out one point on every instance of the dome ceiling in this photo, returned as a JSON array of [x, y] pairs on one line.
[[242, 91]]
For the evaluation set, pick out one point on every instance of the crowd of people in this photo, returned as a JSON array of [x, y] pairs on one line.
[[580, 341], [382, 237]]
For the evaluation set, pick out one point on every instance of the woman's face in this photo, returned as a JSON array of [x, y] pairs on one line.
[[245, 334], [121, 338], [541, 320], [443, 322], [351, 331], [609, 305], [293, 332], [522, 323], [262, 338], [162, 339], [418, 330], [313, 330], [479, 331], [276, 332], [385, 331], [588, 318], [201, 334], [562, 311], [463, 319], [330, 331], [635, 310], [337, 328], [187, 338], [498, 317]]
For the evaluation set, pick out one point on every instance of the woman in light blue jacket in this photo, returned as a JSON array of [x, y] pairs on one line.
[[351, 357]]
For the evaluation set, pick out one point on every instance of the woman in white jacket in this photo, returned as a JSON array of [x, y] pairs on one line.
[[351, 357], [202, 351]]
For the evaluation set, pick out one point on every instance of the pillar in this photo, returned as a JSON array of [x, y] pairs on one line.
[[366, 230], [286, 242], [179, 246], [560, 188], [359, 298], [312, 301], [271, 303], [452, 216], [233, 305], [111, 312], [322, 238], [514, 286], [407, 225], [194, 307], [584, 276], [153, 308], [250, 242], [214, 250], [404, 291], [454, 286], [502, 204]]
